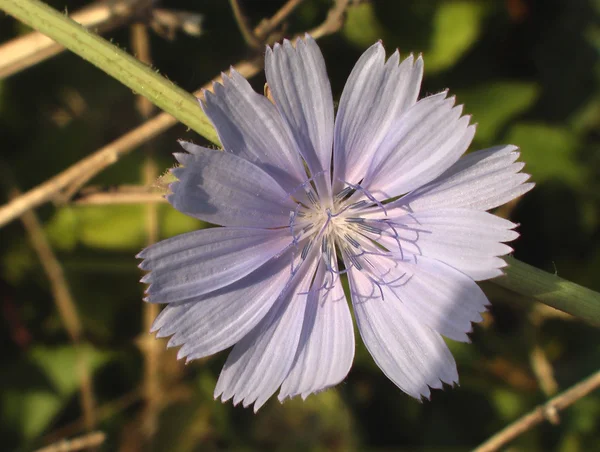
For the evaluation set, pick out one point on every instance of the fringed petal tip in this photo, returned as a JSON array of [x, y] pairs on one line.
[[439, 386]]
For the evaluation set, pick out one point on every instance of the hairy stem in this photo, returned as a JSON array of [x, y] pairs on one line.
[[551, 290], [114, 61]]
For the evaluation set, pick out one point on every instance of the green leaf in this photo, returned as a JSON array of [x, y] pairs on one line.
[[60, 364], [114, 227], [362, 28], [456, 27], [509, 404], [37, 388], [549, 152], [493, 105]]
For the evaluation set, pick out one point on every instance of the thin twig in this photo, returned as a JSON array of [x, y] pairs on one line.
[[549, 411], [243, 25], [90, 440], [266, 26], [542, 368], [334, 20], [151, 350], [28, 50], [166, 22], [74, 177], [66, 308], [103, 412], [136, 194], [85, 169]]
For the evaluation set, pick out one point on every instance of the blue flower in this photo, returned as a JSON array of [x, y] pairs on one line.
[[380, 194]]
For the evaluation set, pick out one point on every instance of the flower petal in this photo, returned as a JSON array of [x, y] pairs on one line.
[[425, 141], [199, 262], [259, 363], [216, 321], [468, 240], [326, 349], [441, 297], [222, 188], [481, 180], [413, 356], [250, 126], [300, 86], [376, 93]]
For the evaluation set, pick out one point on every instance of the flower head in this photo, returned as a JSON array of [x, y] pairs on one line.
[[381, 194]]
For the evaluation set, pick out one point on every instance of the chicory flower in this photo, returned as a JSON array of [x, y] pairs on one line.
[[381, 194]]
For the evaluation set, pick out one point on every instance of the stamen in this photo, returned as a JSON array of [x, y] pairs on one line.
[[369, 228], [311, 197], [352, 241], [306, 249], [345, 192], [358, 205], [293, 214], [355, 220], [369, 196], [354, 259]]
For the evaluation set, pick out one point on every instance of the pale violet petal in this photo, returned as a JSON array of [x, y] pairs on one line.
[[375, 95], [410, 354], [468, 240], [249, 126], [224, 189], [481, 180], [440, 296], [213, 322], [199, 262], [326, 348], [259, 362], [425, 141], [300, 87]]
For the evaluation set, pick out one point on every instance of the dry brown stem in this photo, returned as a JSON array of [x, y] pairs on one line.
[[90, 440], [28, 50], [151, 349], [266, 26], [166, 22], [334, 20], [121, 195], [244, 26], [64, 185], [76, 176], [549, 411], [103, 412], [66, 307]]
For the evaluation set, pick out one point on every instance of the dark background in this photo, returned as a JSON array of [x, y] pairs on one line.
[[529, 73]]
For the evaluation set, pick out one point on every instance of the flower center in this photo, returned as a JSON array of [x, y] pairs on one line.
[[341, 230]]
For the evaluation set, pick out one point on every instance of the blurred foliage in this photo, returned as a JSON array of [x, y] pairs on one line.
[[529, 73]]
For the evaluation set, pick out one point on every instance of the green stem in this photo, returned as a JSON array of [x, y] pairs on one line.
[[551, 290], [520, 277], [114, 61]]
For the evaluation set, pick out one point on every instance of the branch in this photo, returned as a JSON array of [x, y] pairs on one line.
[[120, 195], [66, 307], [548, 411], [151, 349], [85, 169], [77, 175], [266, 26], [114, 61], [88, 441], [242, 22], [165, 22], [28, 50], [334, 21]]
